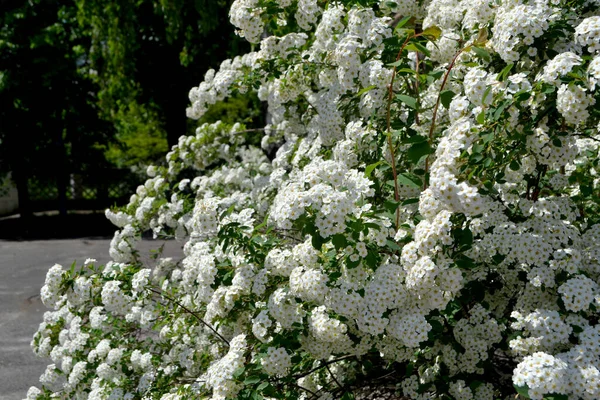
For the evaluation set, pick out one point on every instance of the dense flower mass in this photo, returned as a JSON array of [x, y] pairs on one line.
[[420, 212]]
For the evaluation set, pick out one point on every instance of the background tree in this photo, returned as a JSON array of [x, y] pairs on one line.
[[143, 52], [94, 84], [48, 109]]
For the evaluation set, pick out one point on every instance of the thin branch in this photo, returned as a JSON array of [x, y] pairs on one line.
[[397, 18], [305, 389], [325, 364], [389, 129], [256, 130], [585, 136], [417, 88], [191, 313], [333, 376], [435, 111]]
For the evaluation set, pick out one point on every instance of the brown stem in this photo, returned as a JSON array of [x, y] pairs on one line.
[[190, 312], [536, 189], [388, 128], [435, 110], [397, 18], [333, 376], [313, 394], [325, 364], [417, 90]]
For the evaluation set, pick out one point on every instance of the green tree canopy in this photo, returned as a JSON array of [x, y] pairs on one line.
[[147, 54], [48, 106]]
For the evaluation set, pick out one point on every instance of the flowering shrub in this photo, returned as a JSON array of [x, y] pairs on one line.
[[421, 211]]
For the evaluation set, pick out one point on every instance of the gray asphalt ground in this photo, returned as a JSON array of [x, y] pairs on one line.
[[23, 267]]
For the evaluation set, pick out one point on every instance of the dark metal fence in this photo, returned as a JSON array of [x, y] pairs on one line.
[[92, 190]]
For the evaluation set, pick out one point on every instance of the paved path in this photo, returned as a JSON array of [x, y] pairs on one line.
[[23, 267]]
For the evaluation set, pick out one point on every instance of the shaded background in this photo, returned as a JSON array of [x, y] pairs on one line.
[[93, 91]]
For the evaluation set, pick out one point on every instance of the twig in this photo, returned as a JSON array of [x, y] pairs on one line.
[[333, 376], [397, 18], [191, 313], [389, 128], [305, 389], [417, 89], [256, 130], [323, 365], [435, 110]]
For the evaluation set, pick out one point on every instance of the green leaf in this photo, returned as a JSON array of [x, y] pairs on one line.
[[432, 32], [251, 380], [446, 97], [477, 291], [393, 245], [391, 205], [418, 47], [227, 212], [436, 326], [548, 89], [410, 368], [410, 201], [72, 269], [317, 241], [334, 275], [238, 372], [437, 74], [464, 238], [523, 391], [370, 168], [504, 73], [465, 263], [409, 179], [477, 148], [514, 165], [499, 111], [402, 22], [396, 63], [414, 139], [556, 397], [339, 241], [522, 95], [257, 396], [406, 71], [347, 396], [409, 101], [352, 264], [418, 150], [365, 90], [481, 118], [482, 53], [371, 259]]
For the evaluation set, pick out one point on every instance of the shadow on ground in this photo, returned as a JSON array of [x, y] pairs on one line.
[[54, 226]]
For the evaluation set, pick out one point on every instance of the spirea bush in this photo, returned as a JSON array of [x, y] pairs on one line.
[[419, 216]]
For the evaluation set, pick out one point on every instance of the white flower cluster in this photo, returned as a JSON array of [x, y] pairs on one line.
[[277, 361], [50, 293], [327, 187], [587, 33], [559, 66], [516, 27], [573, 102], [220, 374], [423, 197]]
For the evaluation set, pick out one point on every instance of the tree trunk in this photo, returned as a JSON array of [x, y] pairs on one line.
[[61, 174], [23, 192], [174, 109]]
